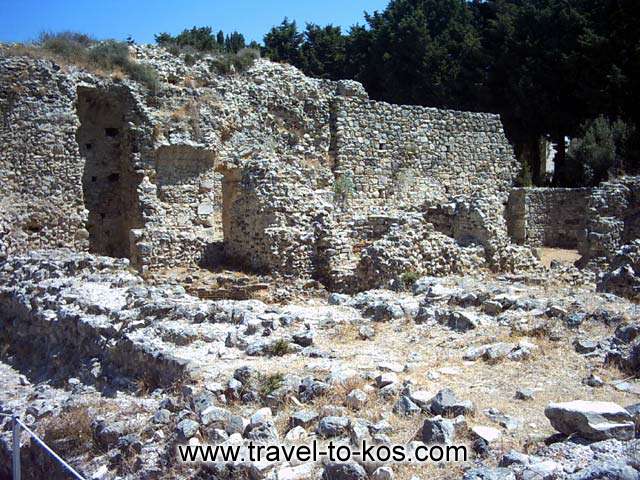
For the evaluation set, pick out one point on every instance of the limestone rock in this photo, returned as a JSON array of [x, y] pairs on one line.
[[591, 420]]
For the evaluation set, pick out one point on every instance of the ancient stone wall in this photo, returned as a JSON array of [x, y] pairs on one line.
[[41, 198], [269, 214], [152, 247], [612, 218], [397, 156], [552, 217], [295, 175]]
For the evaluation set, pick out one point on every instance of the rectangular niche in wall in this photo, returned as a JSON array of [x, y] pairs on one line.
[[109, 182]]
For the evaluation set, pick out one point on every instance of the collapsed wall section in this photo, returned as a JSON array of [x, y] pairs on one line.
[[40, 163], [612, 219]]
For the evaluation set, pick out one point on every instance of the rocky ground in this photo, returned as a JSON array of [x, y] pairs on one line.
[[114, 371]]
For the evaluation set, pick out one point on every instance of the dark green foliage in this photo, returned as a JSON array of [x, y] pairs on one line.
[[603, 149], [201, 39], [234, 43], [425, 52], [282, 43], [196, 38], [409, 277], [189, 60], [323, 52], [163, 39]]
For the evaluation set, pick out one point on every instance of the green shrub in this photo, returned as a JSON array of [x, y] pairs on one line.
[[110, 54], [604, 147], [107, 55], [270, 383], [234, 62], [221, 64], [70, 46], [189, 60], [174, 50], [144, 74], [410, 277], [343, 188], [245, 58], [279, 348]]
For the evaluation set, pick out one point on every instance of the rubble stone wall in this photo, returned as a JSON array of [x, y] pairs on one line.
[[98, 164], [268, 219], [552, 217], [612, 218], [154, 247], [395, 155], [41, 198]]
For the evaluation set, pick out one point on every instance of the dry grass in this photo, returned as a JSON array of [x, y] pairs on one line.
[[70, 433]]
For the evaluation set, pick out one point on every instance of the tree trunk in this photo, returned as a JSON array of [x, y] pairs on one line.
[[559, 160], [529, 152]]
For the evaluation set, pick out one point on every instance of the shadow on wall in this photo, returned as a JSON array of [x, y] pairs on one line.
[[109, 182]]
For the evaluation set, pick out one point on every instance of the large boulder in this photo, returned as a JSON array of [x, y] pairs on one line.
[[591, 420]]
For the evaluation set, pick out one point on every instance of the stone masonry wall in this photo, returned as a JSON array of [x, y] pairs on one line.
[[552, 217], [613, 218], [399, 155], [40, 166], [93, 162]]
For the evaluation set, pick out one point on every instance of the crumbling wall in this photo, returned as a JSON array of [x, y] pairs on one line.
[[269, 213], [396, 156], [552, 217], [40, 164], [161, 179], [612, 219]]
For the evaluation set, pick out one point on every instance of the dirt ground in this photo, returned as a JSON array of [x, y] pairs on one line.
[[561, 255]]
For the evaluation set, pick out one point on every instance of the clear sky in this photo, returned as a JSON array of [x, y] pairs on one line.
[[23, 20]]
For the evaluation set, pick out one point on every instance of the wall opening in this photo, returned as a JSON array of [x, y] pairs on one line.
[[109, 181]]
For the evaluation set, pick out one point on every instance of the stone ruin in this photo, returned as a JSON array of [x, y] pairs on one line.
[[279, 173], [310, 184], [271, 171]]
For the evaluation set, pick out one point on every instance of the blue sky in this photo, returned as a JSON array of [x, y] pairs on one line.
[[23, 20]]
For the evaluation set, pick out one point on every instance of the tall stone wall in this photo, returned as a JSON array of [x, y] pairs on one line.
[[41, 198], [552, 217], [396, 155]]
